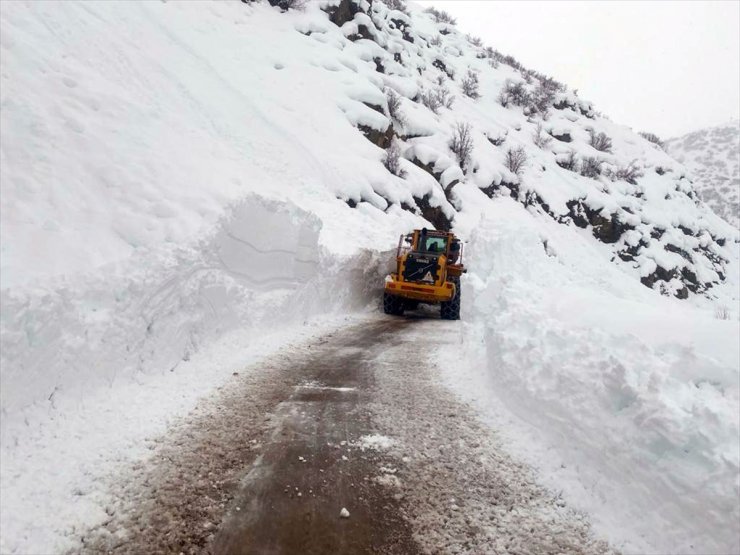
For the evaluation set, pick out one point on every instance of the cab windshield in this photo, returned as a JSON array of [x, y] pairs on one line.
[[434, 244]]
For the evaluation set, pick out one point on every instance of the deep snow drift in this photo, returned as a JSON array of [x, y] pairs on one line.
[[628, 403], [176, 173], [713, 157]]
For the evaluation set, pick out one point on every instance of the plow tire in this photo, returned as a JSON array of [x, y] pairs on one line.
[[450, 310], [409, 304], [392, 304]]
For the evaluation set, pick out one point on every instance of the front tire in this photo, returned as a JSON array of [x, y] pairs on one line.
[[409, 304], [392, 304], [450, 310]]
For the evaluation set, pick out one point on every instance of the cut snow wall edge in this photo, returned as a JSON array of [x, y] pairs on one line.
[[262, 267]]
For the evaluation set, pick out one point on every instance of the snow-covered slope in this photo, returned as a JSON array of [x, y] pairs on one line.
[[172, 172], [712, 156]]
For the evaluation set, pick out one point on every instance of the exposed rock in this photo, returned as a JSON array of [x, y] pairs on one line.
[[564, 138], [344, 12], [381, 139], [434, 214]]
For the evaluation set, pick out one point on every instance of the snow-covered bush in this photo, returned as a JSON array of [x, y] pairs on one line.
[[722, 313], [516, 93], [441, 16], [286, 5], [569, 161], [544, 96], [399, 5], [540, 138], [475, 41], [436, 40], [591, 167], [437, 98], [394, 106], [496, 138], [470, 84], [653, 138], [600, 141], [516, 159], [630, 173], [462, 144], [392, 159]]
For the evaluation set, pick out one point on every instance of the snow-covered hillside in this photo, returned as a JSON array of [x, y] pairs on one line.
[[176, 172], [712, 156]]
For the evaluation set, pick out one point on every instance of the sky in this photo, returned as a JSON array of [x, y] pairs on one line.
[[669, 67]]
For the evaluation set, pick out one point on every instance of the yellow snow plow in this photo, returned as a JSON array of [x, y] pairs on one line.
[[428, 269]]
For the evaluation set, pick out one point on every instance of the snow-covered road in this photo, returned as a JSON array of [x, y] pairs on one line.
[[358, 420]]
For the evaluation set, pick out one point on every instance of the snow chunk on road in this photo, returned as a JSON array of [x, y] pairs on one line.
[[344, 513], [375, 442]]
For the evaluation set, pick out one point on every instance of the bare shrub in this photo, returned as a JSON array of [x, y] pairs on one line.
[[437, 98], [470, 84], [544, 96], [430, 100], [514, 93], [441, 16], [436, 40], [399, 5], [475, 41], [392, 159], [569, 162], [630, 173], [653, 138], [286, 5], [462, 144], [591, 167], [516, 159], [540, 138], [600, 141], [394, 106], [722, 313]]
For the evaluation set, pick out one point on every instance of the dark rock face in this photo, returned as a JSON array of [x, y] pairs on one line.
[[564, 138], [433, 214], [427, 168], [512, 189], [402, 26], [440, 65], [381, 139], [607, 229], [344, 12], [564, 105]]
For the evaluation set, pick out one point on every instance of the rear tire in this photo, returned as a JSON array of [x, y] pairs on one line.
[[392, 304], [450, 310]]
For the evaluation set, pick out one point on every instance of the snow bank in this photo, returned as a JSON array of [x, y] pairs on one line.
[[154, 311], [633, 399]]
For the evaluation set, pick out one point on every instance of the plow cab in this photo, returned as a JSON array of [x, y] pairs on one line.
[[428, 268]]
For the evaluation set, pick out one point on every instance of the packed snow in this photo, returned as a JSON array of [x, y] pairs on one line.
[[188, 186]]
